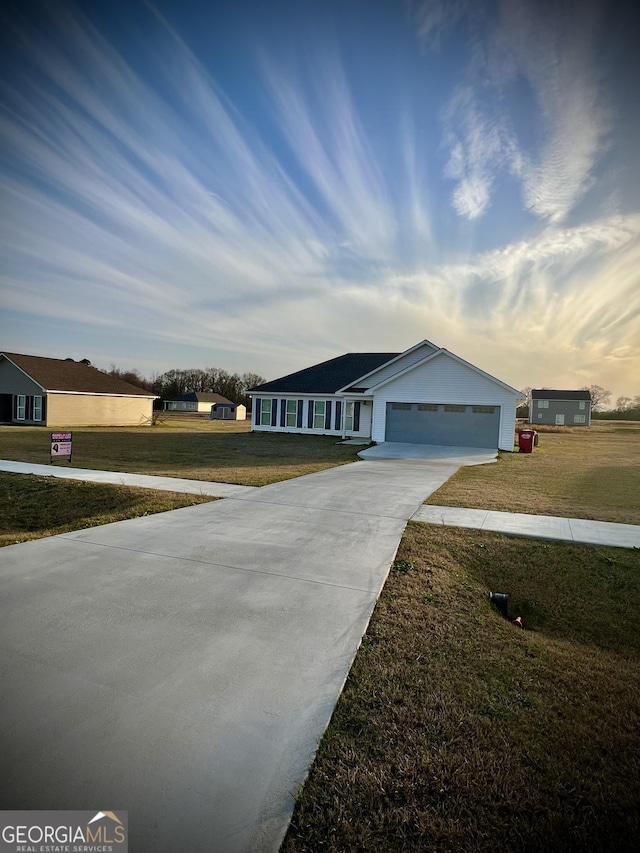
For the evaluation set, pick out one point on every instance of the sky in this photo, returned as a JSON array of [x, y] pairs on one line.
[[259, 186]]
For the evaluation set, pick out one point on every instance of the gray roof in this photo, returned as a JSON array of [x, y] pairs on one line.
[[65, 374], [328, 376], [552, 394]]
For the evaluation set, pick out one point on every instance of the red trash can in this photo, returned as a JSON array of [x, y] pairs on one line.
[[525, 441]]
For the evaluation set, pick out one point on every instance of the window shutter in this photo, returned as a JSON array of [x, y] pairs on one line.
[[356, 416], [274, 413], [338, 414], [283, 409], [310, 415], [257, 409], [44, 410], [300, 405], [327, 415], [15, 407]]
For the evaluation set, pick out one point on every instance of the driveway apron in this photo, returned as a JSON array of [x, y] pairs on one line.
[[184, 666]]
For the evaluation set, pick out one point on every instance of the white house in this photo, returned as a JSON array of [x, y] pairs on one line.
[[425, 395]]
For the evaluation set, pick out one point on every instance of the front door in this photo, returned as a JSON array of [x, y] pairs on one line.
[[559, 420]]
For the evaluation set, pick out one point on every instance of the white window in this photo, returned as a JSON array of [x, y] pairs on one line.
[[265, 413], [455, 408], [582, 405], [37, 408], [292, 413], [401, 407], [483, 410], [543, 404], [22, 406], [348, 416], [427, 407], [318, 414], [559, 420], [579, 419]]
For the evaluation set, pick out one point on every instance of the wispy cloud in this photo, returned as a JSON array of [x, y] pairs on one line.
[[552, 48]]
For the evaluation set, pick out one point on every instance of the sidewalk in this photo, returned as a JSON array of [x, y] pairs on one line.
[[536, 526], [143, 481]]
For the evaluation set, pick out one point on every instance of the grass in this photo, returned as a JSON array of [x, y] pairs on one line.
[[577, 473], [458, 731], [189, 446], [33, 507]]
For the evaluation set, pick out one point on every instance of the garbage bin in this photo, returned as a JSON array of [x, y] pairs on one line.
[[526, 439]]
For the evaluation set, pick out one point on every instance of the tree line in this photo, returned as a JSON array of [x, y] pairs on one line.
[[175, 383]]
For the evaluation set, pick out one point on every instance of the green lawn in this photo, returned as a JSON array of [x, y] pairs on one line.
[[192, 447], [32, 507], [457, 731], [579, 473]]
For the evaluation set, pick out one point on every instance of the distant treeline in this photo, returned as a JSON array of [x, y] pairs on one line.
[[175, 383]]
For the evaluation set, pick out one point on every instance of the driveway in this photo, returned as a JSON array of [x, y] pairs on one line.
[[430, 453], [184, 666]]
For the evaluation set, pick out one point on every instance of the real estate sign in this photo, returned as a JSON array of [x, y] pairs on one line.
[[61, 444]]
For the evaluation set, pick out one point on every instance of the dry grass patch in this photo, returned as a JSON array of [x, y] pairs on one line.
[[192, 447], [33, 507], [591, 473], [457, 731]]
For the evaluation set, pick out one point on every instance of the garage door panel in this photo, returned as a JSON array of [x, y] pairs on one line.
[[445, 424]]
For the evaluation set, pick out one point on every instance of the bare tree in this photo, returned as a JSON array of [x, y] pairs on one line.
[[599, 397]]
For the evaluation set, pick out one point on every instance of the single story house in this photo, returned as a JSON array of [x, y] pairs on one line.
[[57, 392], [214, 405], [425, 395], [561, 408]]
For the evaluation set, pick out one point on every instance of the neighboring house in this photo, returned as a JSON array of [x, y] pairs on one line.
[[214, 405], [425, 395], [59, 392], [562, 408]]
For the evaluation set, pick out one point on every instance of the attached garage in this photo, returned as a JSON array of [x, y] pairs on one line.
[[445, 424]]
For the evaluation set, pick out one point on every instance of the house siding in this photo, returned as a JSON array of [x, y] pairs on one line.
[[568, 408], [72, 410], [14, 381], [332, 424], [401, 364], [445, 380]]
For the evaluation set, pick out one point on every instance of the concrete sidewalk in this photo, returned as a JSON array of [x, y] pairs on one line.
[[184, 666], [535, 526], [143, 481]]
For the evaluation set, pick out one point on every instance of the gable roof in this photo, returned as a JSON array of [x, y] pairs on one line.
[[200, 397], [59, 374], [328, 376], [440, 353], [551, 394]]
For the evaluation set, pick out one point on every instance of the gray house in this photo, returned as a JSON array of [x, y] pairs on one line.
[[560, 408]]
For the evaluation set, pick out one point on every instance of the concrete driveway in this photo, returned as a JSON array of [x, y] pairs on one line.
[[430, 453], [184, 666]]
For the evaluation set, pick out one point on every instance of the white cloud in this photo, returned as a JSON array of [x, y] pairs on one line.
[[551, 47]]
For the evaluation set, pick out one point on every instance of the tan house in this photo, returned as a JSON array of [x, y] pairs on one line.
[[207, 403], [57, 392]]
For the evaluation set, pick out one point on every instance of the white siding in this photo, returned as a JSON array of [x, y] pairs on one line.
[[402, 363], [445, 380], [304, 428]]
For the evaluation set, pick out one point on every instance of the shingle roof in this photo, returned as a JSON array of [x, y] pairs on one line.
[[58, 374], [329, 376], [551, 394], [200, 397]]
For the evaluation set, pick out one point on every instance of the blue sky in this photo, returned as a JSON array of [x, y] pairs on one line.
[[259, 186]]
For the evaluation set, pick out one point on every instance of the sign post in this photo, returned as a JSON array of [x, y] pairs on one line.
[[61, 445]]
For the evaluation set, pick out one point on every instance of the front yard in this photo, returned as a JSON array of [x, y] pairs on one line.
[[592, 473]]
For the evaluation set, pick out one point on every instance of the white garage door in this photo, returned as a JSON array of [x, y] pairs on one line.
[[431, 423]]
